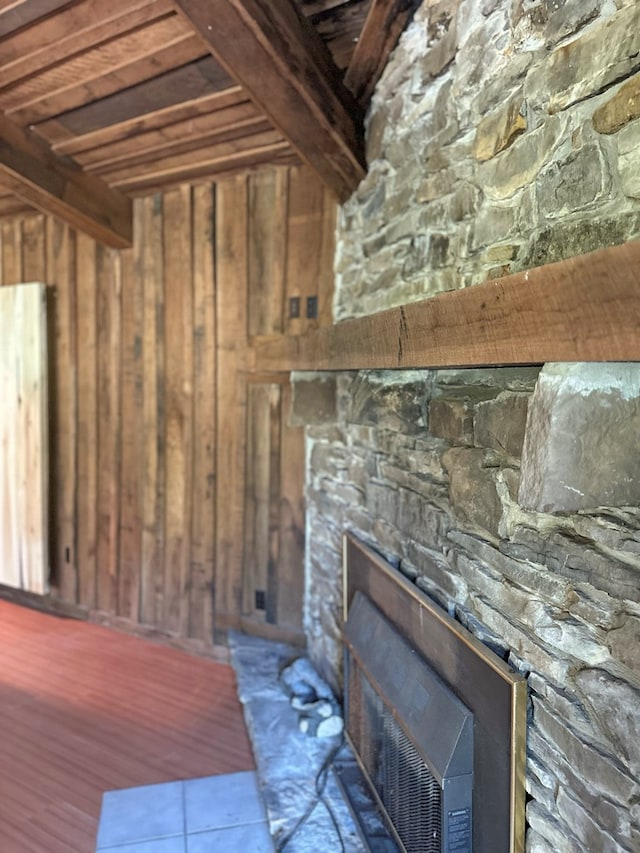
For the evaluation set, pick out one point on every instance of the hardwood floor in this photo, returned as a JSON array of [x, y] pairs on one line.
[[84, 709]]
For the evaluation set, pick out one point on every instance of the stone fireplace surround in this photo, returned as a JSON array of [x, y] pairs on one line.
[[504, 134], [428, 468]]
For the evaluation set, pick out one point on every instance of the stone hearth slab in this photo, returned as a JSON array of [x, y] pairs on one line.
[[289, 761]]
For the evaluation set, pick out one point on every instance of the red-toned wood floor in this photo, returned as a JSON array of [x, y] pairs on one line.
[[84, 709]]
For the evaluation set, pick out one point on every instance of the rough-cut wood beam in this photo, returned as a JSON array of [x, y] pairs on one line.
[[385, 23], [55, 185], [277, 56], [583, 309]]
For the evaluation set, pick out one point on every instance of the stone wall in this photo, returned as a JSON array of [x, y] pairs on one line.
[[504, 134], [426, 467]]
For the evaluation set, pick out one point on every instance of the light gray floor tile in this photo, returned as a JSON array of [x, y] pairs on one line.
[[176, 844], [253, 838], [138, 814], [223, 801]]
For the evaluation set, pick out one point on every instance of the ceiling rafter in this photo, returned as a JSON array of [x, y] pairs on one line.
[[288, 72], [57, 186], [383, 26]]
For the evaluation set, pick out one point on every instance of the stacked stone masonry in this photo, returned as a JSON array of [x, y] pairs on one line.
[[425, 467], [504, 134]]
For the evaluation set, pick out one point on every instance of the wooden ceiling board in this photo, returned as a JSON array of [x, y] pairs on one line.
[[72, 31], [91, 66], [185, 135], [172, 89], [15, 15], [190, 162], [184, 50], [241, 163], [128, 131], [138, 95]]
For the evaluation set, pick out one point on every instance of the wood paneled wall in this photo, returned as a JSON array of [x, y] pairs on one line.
[[155, 465]]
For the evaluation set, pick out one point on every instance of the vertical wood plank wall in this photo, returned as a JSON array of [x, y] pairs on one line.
[[176, 491]]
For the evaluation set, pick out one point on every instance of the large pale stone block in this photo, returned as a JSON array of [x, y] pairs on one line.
[[581, 443], [620, 109], [589, 64], [497, 130]]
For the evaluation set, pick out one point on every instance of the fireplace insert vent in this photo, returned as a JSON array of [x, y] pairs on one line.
[[413, 737], [409, 792]]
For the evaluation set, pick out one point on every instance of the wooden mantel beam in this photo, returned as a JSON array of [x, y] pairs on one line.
[[583, 309], [384, 24], [56, 185], [287, 71]]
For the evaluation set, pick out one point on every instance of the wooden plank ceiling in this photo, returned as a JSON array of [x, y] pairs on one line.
[[101, 101]]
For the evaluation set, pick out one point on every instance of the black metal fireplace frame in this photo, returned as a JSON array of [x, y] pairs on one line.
[[486, 685]]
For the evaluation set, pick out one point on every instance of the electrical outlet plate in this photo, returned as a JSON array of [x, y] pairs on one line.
[[312, 307]]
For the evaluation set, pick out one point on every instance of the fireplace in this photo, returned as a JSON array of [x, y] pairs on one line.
[[436, 720], [428, 469]]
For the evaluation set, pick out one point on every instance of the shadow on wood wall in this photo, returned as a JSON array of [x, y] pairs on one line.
[[177, 483]]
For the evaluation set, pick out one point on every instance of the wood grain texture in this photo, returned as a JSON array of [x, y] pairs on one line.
[[153, 485], [131, 475], [289, 594], [60, 273], [202, 570], [149, 419], [57, 186], [86, 324], [288, 72], [100, 71], [245, 152], [267, 251], [84, 709], [305, 255], [178, 409], [262, 493], [178, 136], [384, 24], [74, 28], [148, 67], [231, 334], [24, 517], [583, 309], [109, 292], [169, 90], [154, 121]]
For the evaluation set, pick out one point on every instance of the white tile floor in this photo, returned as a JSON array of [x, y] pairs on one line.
[[217, 814]]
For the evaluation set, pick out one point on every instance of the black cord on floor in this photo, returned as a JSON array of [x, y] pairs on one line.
[[320, 783]]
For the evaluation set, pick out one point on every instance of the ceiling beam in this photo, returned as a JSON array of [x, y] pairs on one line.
[[57, 186], [586, 308], [288, 72], [385, 22]]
